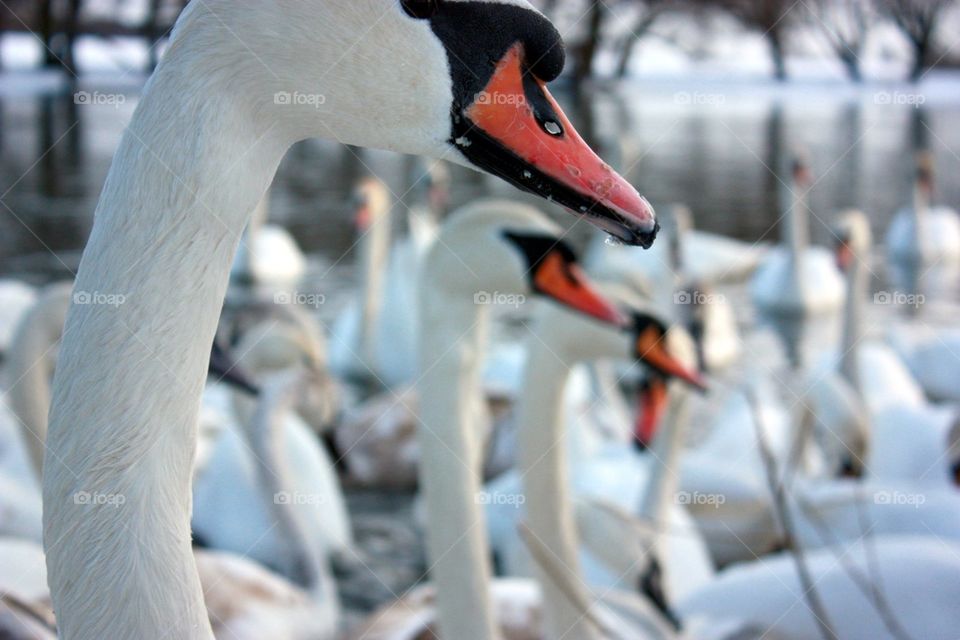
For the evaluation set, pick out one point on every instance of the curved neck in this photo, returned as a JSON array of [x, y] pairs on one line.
[[30, 366], [267, 438], [191, 167], [450, 461], [544, 472], [857, 278], [665, 457]]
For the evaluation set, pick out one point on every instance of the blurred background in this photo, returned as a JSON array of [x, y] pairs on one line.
[[718, 108]]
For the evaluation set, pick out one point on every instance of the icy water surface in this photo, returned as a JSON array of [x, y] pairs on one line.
[[708, 144]]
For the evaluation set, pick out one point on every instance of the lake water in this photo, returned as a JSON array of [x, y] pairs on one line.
[[710, 144]]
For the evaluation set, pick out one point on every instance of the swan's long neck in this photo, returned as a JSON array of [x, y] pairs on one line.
[[797, 229], [267, 437], [858, 278], [544, 471], [30, 366], [665, 456], [374, 254], [921, 208], [664, 480], [191, 167], [450, 462]]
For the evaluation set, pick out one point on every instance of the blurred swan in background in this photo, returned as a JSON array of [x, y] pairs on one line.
[[918, 582], [923, 240], [553, 470], [796, 283], [486, 246], [374, 338], [230, 509]]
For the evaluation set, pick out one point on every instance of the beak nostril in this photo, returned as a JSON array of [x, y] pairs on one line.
[[552, 127]]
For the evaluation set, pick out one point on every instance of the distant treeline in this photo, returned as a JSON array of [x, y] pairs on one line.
[[844, 25]]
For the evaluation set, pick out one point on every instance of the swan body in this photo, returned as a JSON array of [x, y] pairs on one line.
[[269, 256], [243, 600], [782, 286], [932, 355], [918, 579], [230, 513], [934, 240]]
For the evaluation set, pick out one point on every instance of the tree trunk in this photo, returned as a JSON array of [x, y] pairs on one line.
[[585, 53], [921, 54], [852, 64], [644, 22], [777, 54], [48, 33]]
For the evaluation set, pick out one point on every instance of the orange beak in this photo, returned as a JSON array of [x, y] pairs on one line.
[[566, 283], [514, 129], [652, 350]]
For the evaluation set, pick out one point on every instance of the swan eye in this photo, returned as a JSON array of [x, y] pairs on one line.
[[420, 9]]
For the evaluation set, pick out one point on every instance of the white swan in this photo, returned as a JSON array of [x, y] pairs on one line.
[[918, 580], [923, 241], [486, 246], [230, 510], [932, 354], [562, 340], [796, 283], [214, 121], [908, 437]]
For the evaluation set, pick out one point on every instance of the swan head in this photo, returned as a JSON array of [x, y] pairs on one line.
[[371, 201], [668, 353], [853, 238], [461, 80], [496, 251]]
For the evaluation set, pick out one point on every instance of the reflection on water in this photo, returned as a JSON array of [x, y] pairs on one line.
[[711, 154]]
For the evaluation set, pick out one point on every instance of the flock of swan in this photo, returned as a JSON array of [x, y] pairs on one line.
[[705, 439]]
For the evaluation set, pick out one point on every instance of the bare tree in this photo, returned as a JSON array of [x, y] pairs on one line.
[[585, 51], [771, 18], [918, 20], [845, 24], [649, 11]]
